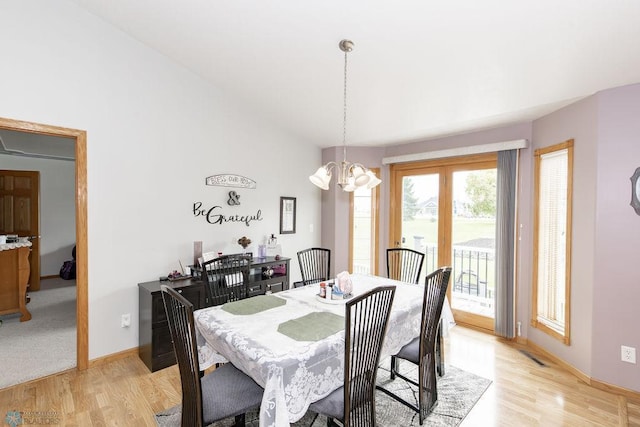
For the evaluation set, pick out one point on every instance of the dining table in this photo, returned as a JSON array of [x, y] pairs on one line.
[[292, 342]]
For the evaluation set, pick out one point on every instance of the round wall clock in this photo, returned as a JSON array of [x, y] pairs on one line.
[[635, 191]]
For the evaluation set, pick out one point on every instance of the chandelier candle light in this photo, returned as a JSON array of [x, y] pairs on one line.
[[351, 176]]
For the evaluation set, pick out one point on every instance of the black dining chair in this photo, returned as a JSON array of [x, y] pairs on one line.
[[404, 264], [366, 318], [315, 265], [421, 351], [227, 278], [225, 392]]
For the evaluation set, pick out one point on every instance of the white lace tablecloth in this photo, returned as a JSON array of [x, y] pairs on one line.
[[296, 373]]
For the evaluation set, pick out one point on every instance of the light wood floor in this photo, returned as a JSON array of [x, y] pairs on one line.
[[124, 393]]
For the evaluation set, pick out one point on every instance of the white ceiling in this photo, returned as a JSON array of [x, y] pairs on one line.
[[419, 69]]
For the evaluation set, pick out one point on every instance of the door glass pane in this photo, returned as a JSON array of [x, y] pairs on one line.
[[420, 195], [363, 245], [473, 230]]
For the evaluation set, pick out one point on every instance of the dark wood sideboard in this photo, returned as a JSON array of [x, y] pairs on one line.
[[154, 340]]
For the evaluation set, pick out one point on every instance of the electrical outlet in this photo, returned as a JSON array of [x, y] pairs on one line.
[[125, 321], [628, 354]]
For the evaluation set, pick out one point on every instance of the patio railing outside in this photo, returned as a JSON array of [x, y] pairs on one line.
[[472, 268]]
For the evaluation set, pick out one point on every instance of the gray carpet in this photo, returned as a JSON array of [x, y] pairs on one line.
[[44, 345], [458, 392]]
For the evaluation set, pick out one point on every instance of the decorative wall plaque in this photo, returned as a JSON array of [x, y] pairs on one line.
[[230, 180], [287, 215]]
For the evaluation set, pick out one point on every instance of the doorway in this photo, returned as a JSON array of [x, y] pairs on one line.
[[80, 136], [446, 209]]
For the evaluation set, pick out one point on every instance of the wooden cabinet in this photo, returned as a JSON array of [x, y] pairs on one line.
[[261, 284], [14, 278], [154, 339], [155, 346]]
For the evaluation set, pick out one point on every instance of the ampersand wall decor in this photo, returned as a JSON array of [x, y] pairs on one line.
[[234, 199]]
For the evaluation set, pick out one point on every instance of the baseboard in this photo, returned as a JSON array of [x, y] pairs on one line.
[[113, 357], [601, 385], [572, 369], [629, 394], [474, 327]]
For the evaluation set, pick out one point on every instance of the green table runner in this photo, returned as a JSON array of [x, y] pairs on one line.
[[253, 305], [313, 326]]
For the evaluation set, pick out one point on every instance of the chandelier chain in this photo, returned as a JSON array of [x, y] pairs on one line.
[[351, 175], [344, 112]]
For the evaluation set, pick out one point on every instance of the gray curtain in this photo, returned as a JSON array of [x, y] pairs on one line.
[[505, 243]]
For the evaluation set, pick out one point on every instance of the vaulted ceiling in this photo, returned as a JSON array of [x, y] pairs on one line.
[[419, 70]]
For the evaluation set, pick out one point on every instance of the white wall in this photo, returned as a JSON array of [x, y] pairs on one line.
[[154, 132], [57, 208]]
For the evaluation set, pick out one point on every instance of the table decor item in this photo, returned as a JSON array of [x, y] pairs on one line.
[[325, 300], [244, 241], [175, 276], [267, 271], [344, 283], [262, 251]]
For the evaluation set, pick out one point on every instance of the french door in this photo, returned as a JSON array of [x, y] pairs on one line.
[[446, 209]]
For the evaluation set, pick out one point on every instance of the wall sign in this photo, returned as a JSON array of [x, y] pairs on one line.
[[230, 180], [214, 215]]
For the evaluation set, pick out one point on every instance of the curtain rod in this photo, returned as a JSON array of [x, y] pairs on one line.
[[458, 151]]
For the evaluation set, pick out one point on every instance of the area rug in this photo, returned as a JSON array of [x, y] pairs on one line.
[[44, 345], [458, 392]]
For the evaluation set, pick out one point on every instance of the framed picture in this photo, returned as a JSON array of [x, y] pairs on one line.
[[287, 215]]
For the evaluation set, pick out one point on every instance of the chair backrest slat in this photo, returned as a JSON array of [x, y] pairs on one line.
[[366, 319], [404, 264], [180, 318], [435, 291], [227, 278], [315, 265]]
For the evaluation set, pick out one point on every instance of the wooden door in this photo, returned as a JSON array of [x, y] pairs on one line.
[[19, 209]]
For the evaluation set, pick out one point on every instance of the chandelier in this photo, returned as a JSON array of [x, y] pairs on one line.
[[351, 176]]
